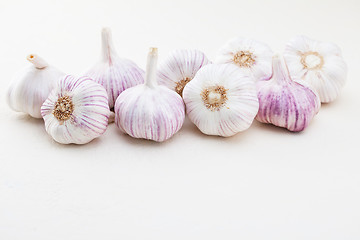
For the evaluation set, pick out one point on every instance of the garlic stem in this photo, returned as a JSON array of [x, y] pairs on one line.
[[108, 49], [280, 69], [37, 61], [150, 78]]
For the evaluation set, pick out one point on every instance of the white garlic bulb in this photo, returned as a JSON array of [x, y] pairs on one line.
[[115, 74], [285, 102], [180, 67], [30, 87], [150, 111], [318, 63], [251, 56], [221, 100], [76, 111]]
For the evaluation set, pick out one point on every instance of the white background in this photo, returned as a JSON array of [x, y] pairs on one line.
[[264, 183]]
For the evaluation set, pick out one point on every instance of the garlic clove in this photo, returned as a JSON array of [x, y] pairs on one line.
[[221, 100], [253, 57], [115, 74], [285, 102], [180, 67], [76, 111], [320, 64], [150, 111], [31, 86]]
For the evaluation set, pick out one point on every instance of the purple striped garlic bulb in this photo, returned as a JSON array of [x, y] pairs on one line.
[[76, 111], [31, 86], [115, 74], [221, 100], [284, 102], [318, 63], [253, 57], [149, 110], [180, 67]]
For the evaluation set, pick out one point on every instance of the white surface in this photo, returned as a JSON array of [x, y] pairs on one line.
[[265, 183]]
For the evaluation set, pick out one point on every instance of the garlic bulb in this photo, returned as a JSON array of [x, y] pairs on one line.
[[32, 85], [221, 100], [115, 74], [180, 68], [318, 63], [150, 111], [284, 102], [76, 111], [251, 56]]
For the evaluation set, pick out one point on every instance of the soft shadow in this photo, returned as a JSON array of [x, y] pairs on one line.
[[92, 144], [326, 105], [191, 128], [341, 100], [27, 119], [267, 127], [23, 123], [142, 142], [38, 123], [244, 135]]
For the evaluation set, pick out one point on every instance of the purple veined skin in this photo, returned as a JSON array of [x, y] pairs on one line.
[[284, 102], [115, 74], [150, 111], [221, 100], [76, 110]]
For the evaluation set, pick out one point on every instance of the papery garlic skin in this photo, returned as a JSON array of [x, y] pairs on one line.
[[221, 100], [180, 67], [115, 74], [76, 111], [252, 56], [30, 87], [285, 102], [150, 111], [318, 63]]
